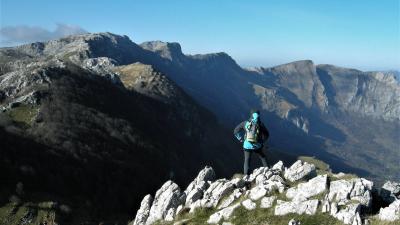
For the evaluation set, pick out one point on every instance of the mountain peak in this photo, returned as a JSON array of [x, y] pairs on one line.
[[169, 50]]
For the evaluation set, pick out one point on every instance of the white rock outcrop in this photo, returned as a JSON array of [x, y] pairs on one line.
[[222, 214], [390, 213], [249, 204], [300, 207], [299, 170], [304, 191], [144, 211], [167, 197]]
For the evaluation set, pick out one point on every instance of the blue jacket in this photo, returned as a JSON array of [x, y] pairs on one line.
[[240, 133]]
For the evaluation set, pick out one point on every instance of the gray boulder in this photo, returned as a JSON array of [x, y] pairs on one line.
[[167, 197], [299, 170]]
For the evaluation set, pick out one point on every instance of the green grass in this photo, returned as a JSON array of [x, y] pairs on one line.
[[23, 114], [259, 216], [199, 216], [375, 221], [12, 213], [323, 168]]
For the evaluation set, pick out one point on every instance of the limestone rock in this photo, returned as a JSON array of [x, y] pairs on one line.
[[313, 187], [231, 198], [167, 197], [267, 202], [249, 204], [390, 191], [196, 188], [308, 207], [257, 192], [358, 189], [299, 170], [144, 211], [222, 214], [216, 191], [390, 213], [348, 214]]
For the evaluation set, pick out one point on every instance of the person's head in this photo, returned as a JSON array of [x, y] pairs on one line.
[[255, 115]]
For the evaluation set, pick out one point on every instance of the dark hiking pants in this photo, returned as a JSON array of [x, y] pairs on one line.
[[247, 157]]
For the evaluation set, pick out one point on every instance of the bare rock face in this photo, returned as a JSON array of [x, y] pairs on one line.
[[144, 211], [267, 202], [299, 170], [313, 187], [200, 184], [166, 198], [249, 204], [390, 191], [348, 214], [222, 214], [390, 213], [300, 207], [216, 191], [358, 189]]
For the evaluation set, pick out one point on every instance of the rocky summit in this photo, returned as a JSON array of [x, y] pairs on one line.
[[299, 194]]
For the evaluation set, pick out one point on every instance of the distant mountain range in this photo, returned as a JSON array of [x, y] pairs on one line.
[[98, 110]]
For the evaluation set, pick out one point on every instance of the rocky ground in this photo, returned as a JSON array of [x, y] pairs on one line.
[[301, 194]]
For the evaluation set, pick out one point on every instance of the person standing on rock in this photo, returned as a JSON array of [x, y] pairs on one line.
[[253, 134]]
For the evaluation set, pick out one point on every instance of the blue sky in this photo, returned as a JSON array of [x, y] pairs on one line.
[[362, 34]]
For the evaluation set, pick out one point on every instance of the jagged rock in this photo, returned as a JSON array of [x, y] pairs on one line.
[[390, 191], [261, 171], [231, 198], [170, 214], [249, 204], [348, 214], [167, 197], [215, 192], [390, 213], [326, 207], [334, 208], [238, 182], [144, 211], [299, 170], [355, 189], [357, 220], [278, 167], [267, 202], [196, 188], [222, 214], [257, 192], [300, 207], [313, 187], [294, 222]]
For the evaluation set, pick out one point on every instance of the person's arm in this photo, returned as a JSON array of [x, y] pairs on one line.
[[238, 131]]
